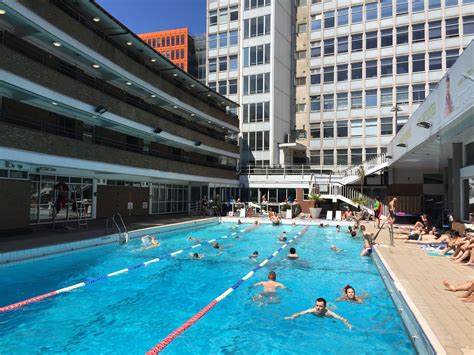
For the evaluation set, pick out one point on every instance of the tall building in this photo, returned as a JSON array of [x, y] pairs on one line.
[[93, 121], [329, 83], [200, 48], [176, 45]]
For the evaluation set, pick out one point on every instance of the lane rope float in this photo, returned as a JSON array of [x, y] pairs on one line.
[[191, 321]]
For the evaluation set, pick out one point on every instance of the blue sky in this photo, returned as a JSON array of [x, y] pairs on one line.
[[158, 15]]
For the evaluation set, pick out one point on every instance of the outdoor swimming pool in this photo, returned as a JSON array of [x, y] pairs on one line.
[[131, 312]]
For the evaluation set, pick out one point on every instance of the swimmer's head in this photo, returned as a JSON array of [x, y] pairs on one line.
[[350, 228], [321, 225], [292, 251], [272, 275], [255, 253], [195, 256], [283, 239], [349, 291], [338, 226], [353, 234], [320, 304], [215, 245], [284, 233], [333, 247]]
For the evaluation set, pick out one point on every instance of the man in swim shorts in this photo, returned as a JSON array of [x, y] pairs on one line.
[[320, 310], [269, 289], [391, 208]]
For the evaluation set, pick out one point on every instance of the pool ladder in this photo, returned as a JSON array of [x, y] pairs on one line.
[[121, 228]]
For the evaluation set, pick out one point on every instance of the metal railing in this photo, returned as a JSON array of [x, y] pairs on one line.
[[367, 164], [302, 170], [121, 228]]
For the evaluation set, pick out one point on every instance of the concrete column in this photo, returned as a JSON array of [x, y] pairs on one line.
[[449, 183], [457, 165]]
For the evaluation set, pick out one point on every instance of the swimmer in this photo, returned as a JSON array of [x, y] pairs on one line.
[[234, 227], [202, 256], [323, 225], [216, 245], [269, 289], [349, 229], [354, 234], [239, 222], [253, 255], [338, 228], [336, 249], [292, 255], [283, 240], [367, 249], [194, 239], [237, 237], [320, 310], [350, 295], [153, 243]]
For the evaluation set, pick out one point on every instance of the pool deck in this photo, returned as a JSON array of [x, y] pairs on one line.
[[421, 275]]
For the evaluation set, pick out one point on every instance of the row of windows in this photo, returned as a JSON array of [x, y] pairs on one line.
[[383, 67], [224, 87], [403, 35], [166, 41], [257, 26], [256, 112], [225, 63], [341, 100], [370, 12], [257, 55], [253, 4], [230, 38], [342, 156], [223, 16], [256, 141], [174, 54], [256, 84]]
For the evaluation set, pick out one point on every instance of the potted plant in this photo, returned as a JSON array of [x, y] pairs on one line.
[[315, 211]]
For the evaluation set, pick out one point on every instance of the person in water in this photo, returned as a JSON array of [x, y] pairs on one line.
[[320, 310], [202, 256], [254, 255], [336, 249], [149, 242], [350, 295], [269, 289], [292, 255], [194, 239]]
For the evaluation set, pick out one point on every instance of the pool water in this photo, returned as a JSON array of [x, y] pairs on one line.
[[132, 312]]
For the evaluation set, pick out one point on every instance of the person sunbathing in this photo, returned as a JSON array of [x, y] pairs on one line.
[[437, 238], [467, 286], [464, 251]]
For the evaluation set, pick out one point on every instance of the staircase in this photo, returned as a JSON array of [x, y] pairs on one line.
[[350, 175]]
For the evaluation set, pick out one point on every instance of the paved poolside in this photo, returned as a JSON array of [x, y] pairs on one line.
[[451, 320]]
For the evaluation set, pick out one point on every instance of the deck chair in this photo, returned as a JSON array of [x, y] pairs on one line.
[[329, 216], [338, 216]]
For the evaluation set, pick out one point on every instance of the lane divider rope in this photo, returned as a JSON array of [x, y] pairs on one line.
[[181, 329], [115, 273]]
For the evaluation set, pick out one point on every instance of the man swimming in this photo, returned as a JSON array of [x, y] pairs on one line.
[[336, 249], [292, 254], [320, 310], [194, 239], [269, 289], [253, 255], [149, 243]]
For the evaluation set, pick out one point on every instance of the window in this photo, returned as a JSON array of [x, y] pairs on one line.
[[371, 98], [315, 23], [233, 38], [301, 28], [452, 28], [315, 103], [212, 85], [315, 76], [234, 13], [342, 103], [342, 157], [328, 47], [172, 41], [402, 7], [328, 129], [315, 157], [371, 40], [418, 62], [257, 55], [329, 74], [212, 18], [257, 26], [329, 19], [342, 72], [232, 62], [342, 17], [316, 131], [451, 57], [418, 93], [402, 64], [342, 44], [386, 126], [356, 128], [371, 69], [232, 86], [371, 11], [434, 4], [418, 5], [300, 81], [328, 155], [356, 156], [386, 38], [223, 39], [468, 25], [301, 55], [212, 41], [356, 42], [182, 39], [223, 16], [356, 99], [356, 14], [451, 2], [386, 7], [252, 4], [370, 153], [212, 65], [401, 120], [435, 29], [402, 95], [402, 35], [223, 87], [300, 108], [386, 67], [256, 84], [418, 32], [222, 63], [315, 49], [342, 129], [386, 97], [356, 71], [371, 127], [328, 103]]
